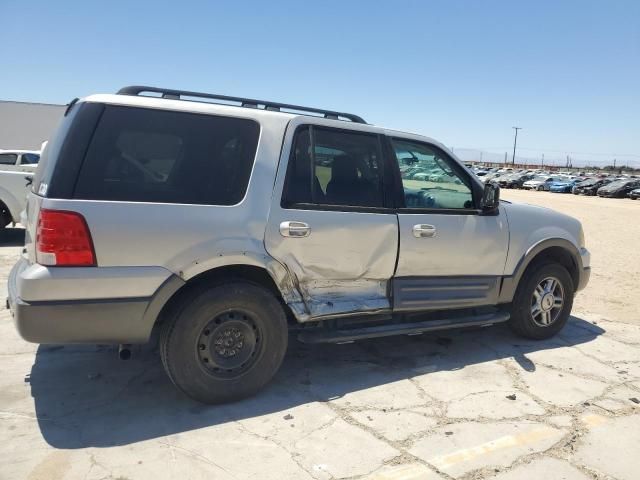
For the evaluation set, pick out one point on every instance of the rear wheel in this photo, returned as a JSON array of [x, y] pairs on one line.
[[543, 301], [224, 343]]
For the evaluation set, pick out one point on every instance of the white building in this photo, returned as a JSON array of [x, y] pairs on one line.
[[26, 125]]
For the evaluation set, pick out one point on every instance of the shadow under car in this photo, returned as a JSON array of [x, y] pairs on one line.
[[86, 397]]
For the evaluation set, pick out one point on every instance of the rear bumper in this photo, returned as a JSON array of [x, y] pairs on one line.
[[84, 320], [107, 321]]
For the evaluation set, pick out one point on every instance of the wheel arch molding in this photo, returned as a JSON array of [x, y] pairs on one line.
[[556, 249]]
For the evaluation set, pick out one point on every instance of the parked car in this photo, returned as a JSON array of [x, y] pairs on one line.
[[590, 186], [14, 185], [516, 180], [540, 182], [491, 177], [618, 188], [16, 174], [147, 214], [563, 186], [22, 159], [634, 194]]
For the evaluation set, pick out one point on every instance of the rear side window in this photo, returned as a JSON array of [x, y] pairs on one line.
[[8, 158], [144, 155], [334, 167]]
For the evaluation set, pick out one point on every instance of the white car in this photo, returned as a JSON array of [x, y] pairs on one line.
[[421, 176], [23, 159], [541, 182], [16, 173]]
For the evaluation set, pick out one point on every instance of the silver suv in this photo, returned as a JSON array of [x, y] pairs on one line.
[[230, 223]]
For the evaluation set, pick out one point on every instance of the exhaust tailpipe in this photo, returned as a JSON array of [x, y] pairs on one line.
[[124, 351]]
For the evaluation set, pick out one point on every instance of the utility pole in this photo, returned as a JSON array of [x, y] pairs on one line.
[[505, 158], [543, 159], [515, 140]]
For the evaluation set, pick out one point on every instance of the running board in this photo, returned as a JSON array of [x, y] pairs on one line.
[[415, 328]]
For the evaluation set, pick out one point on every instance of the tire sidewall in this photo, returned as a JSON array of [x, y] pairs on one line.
[[521, 320]]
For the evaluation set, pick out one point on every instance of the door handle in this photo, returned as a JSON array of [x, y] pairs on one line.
[[295, 229], [424, 231]]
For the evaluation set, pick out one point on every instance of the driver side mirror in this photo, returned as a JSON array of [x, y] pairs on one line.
[[490, 197]]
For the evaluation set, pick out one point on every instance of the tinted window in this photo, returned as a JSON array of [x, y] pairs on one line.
[[334, 167], [430, 178], [8, 158], [172, 157], [29, 158]]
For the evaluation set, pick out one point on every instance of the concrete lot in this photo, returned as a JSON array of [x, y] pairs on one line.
[[469, 405]]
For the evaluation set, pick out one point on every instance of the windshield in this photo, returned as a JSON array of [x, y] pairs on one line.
[[618, 183], [591, 181]]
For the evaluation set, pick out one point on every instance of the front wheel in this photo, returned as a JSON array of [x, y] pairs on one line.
[[224, 343], [543, 302]]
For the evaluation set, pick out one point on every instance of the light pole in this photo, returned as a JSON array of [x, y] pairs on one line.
[[515, 140]]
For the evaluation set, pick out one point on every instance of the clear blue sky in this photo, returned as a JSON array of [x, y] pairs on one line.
[[463, 72]]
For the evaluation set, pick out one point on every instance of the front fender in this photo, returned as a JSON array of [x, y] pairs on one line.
[[510, 282], [533, 229]]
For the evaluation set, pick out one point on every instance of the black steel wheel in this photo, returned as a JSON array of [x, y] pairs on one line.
[[229, 344]]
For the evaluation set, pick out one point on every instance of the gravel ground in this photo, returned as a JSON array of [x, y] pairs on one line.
[[465, 405]]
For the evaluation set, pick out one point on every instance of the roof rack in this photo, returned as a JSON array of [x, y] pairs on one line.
[[244, 102]]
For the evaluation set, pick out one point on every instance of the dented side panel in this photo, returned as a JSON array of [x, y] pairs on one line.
[[343, 266]]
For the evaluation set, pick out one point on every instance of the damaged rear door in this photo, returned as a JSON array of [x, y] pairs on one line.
[[329, 223]]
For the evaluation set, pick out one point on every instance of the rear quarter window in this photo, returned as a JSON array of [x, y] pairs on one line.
[[146, 155]]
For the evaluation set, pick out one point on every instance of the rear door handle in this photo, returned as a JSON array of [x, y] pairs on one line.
[[424, 231], [295, 229]]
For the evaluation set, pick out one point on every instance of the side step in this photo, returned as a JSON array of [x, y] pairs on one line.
[[351, 334]]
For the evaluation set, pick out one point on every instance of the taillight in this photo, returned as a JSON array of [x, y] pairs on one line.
[[63, 239]]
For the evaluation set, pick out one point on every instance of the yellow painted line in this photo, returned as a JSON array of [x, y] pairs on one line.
[[444, 462], [593, 420]]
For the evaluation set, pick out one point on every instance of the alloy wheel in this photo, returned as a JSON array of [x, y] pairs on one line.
[[547, 302]]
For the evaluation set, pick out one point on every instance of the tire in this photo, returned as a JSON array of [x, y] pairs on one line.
[[5, 216], [540, 327], [224, 343]]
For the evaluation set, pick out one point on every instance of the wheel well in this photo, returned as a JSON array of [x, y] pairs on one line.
[[216, 276], [558, 255]]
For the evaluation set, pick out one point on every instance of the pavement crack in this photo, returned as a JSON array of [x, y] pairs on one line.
[[195, 455]]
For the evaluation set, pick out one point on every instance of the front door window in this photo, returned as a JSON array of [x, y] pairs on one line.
[[429, 177]]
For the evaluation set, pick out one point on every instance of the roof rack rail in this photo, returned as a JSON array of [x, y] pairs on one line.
[[244, 102]]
